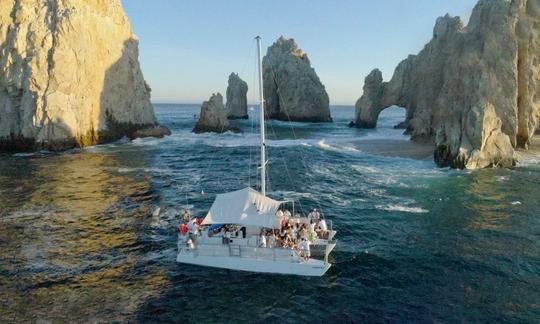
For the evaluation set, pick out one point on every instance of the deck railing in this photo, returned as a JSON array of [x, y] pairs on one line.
[[239, 251]]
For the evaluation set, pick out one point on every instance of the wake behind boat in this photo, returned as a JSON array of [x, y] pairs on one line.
[[246, 230]]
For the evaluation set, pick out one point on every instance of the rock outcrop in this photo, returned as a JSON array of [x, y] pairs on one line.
[[213, 117], [69, 75], [292, 89], [474, 90], [236, 98]]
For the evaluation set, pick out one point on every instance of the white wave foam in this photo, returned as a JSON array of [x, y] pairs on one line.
[[322, 144], [515, 203], [148, 170], [336, 147], [404, 209], [24, 154]]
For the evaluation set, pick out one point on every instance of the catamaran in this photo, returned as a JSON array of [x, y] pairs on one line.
[[231, 236]]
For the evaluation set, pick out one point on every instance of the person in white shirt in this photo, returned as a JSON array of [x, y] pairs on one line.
[[262, 240], [316, 214], [311, 215], [279, 213], [287, 214], [323, 225], [304, 249], [312, 226], [193, 228], [190, 244]]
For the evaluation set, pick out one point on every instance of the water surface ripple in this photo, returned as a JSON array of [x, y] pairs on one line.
[[79, 241]]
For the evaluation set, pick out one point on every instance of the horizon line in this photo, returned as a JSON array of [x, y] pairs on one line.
[[174, 102]]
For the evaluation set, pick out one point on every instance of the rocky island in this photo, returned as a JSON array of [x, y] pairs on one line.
[[473, 90], [213, 117], [236, 98], [61, 87], [292, 89]]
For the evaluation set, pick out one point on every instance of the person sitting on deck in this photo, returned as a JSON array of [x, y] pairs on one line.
[[225, 235]]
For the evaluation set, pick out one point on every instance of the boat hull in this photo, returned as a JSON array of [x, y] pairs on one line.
[[311, 268]]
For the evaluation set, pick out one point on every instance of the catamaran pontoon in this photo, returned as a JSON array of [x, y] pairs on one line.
[[251, 212]]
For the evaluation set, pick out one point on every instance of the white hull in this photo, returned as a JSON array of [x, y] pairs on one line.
[[314, 268]]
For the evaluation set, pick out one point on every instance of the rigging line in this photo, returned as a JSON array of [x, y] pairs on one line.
[[212, 160], [287, 171], [215, 151], [294, 135], [248, 58], [250, 151]]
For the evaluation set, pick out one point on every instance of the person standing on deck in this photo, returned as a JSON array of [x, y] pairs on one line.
[[262, 240]]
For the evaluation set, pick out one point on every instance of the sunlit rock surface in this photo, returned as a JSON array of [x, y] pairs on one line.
[[69, 75], [292, 89], [236, 98], [213, 117], [474, 90]]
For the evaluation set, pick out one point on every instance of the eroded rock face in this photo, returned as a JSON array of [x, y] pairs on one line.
[[292, 89], [236, 98], [69, 74], [213, 117], [474, 90]]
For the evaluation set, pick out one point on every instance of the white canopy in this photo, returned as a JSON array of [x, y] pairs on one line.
[[244, 207]]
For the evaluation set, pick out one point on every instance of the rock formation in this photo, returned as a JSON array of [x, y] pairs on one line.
[[474, 90], [292, 89], [237, 98], [69, 75], [213, 117]]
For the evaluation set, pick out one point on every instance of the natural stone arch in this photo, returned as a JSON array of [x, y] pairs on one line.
[[376, 99]]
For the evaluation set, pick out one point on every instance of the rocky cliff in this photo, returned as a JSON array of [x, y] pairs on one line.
[[236, 98], [69, 74], [213, 117], [473, 90], [292, 89]]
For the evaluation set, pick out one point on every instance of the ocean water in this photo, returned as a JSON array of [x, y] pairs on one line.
[[79, 239]]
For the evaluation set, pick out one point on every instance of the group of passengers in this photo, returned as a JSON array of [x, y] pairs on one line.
[[293, 234]]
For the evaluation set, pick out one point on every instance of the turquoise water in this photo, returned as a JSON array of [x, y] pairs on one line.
[[416, 243]]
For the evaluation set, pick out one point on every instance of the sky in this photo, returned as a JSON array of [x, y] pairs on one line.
[[188, 48]]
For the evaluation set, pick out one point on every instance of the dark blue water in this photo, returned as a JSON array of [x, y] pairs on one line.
[[78, 241]]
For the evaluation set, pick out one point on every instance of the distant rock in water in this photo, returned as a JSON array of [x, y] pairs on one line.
[[213, 117], [69, 75], [292, 89], [236, 98], [474, 90], [153, 131]]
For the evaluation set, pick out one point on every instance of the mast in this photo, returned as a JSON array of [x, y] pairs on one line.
[[263, 139]]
